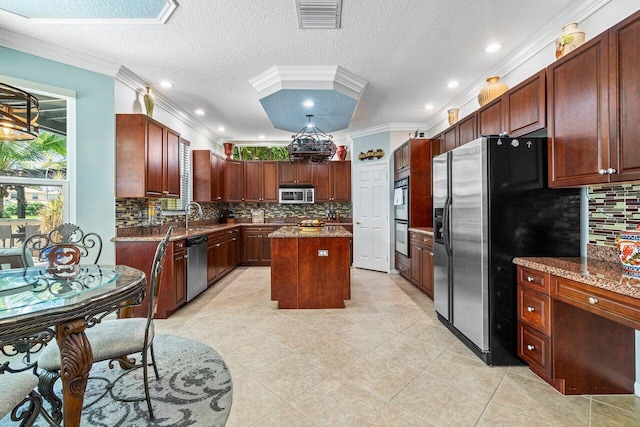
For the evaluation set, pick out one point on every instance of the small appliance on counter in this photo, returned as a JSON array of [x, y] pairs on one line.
[[257, 214], [231, 216]]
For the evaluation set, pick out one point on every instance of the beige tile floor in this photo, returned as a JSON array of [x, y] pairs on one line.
[[384, 360]]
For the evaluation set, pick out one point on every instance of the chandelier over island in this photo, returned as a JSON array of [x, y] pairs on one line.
[[310, 144]]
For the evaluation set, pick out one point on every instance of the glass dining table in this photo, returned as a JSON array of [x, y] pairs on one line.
[[38, 304]]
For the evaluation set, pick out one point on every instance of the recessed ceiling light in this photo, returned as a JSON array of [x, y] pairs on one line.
[[261, 136], [200, 112], [493, 47], [166, 83], [220, 128], [308, 103], [428, 107], [452, 83]]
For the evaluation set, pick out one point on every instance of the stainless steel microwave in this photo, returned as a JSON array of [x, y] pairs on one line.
[[296, 195]]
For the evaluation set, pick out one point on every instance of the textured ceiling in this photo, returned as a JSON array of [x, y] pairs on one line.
[[406, 50]]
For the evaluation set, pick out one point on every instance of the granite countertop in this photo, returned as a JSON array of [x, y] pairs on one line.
[[590, 271], [292, 232], [422, 230], [156, 234]]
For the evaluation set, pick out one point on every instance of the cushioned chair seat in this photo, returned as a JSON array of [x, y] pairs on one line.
[[106, 341], [14, 388]]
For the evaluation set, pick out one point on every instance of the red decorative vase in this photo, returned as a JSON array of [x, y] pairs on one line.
[[228, 149], [341, 152]]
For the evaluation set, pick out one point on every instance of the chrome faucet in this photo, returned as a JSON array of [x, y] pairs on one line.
[[187, 210]]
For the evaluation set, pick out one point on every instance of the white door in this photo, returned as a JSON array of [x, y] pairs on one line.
[[371, 217]]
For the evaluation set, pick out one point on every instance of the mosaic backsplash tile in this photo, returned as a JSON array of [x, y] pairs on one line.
[[612, 208], [134, 212]]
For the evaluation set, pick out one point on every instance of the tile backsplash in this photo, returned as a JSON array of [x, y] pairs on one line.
[[133, 212], [612, 208]]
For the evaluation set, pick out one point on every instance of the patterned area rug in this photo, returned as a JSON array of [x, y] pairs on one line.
[[194, 390]]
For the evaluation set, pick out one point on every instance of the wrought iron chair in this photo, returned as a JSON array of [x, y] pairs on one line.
[[64, 246], [17, 390], [6, 233], [113, 340]]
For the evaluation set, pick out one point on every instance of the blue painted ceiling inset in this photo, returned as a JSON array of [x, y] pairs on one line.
[[332, 110], [85, 9]]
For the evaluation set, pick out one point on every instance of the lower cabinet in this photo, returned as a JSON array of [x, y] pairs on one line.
[[403, 265], [172, 291], [222, 253], [256, 245], [421, 262], [576, 337]]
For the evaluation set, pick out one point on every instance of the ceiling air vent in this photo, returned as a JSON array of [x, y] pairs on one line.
[[319, 14]]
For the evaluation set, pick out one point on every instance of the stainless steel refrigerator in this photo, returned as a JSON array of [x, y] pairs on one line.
[[491, 204]]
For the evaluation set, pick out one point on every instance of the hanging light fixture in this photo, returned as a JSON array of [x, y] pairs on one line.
[[19, 112], [311, 144]]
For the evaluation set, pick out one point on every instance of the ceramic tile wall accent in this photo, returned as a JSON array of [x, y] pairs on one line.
[[612, 208], [132, 212]]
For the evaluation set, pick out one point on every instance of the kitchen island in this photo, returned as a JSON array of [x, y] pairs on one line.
[[310, 269]]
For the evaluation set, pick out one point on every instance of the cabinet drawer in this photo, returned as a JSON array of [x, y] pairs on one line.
[[534, 309], [534, 279], [423, 240], [534, 348], [178, 245], [614, 306]]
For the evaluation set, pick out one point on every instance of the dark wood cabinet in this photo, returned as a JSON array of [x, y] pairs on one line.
[[260, 181], [223, 248], [419, 174], [234, 181], [332, 181], [450, 138], [208, 176], [172, 290], [147, 158], [467, 129], [179, 273], [421, 262], [577, 337], [593, 108], [295, 173], [491, 118], [525, 106], [256, 245], [402, 158]]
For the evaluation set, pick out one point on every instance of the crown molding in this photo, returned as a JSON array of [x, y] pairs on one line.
[[132, 80], [308, 77], [577, 11], [389, 127], [52, 52]]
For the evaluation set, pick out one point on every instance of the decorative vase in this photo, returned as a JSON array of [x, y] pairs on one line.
[[149, 101], [628, 243], [569, 40], [491, 91], [452, 116], [341, 152], [228, 149]]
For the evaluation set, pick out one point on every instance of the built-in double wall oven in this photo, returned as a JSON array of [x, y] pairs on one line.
[[401, 215]]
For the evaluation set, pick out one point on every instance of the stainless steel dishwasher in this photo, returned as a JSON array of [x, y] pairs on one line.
[[196, 266]]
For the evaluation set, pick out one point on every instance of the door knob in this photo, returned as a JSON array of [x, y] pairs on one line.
[[358, 222]]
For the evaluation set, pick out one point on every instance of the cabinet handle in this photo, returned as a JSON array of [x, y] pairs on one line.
[[529, 279], [358, 222], [593, 300], [611, 171], [217, 244], [602, 171], [530, 347], [530, 309]]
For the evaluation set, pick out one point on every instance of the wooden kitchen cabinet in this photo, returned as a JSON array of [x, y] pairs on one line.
[[234, 181], [147, 158], [421, 262], [593, 108], [577, 337], [450, 138], [332, 181], [491, 118], [295, 173], [208, 176], [260, 181], [467, 129], [222, 253], [525, 106], [402, 158], [256, 245], [172, 290]]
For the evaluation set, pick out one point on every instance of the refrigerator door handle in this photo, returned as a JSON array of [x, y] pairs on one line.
[[446, 232]]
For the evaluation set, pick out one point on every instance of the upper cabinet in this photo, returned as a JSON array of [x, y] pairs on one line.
[[491, 118], [234, 181], [147, 158], [419, 174], [467, 129], [260, 181], [593, 107], [525, 108], [208, 176], [402, 158], [295, 173], [332, 181]]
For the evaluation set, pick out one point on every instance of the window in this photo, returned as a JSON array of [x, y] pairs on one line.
[[177, 206]]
